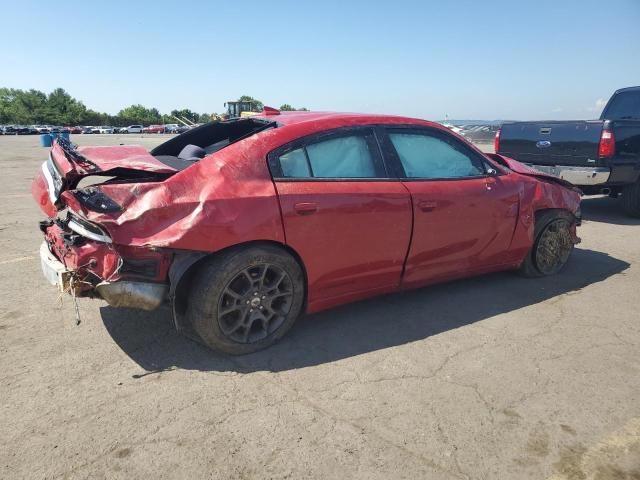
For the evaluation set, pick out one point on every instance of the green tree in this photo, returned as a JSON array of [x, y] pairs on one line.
[[288, 108], [91, 117], [22, 107], [246, 98], [139, 114], [30, 107], [184, 113], [62, 109]]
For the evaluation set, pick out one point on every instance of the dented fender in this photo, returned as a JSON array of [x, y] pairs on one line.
[[539, 193], [211, 205]]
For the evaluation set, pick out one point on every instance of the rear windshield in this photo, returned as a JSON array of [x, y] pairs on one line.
[[623, 105], [210, 137]]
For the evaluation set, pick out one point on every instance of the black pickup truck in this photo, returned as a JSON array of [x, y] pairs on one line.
[[598, 156]]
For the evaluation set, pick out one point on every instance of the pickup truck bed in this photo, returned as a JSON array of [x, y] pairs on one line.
[[598, 156]]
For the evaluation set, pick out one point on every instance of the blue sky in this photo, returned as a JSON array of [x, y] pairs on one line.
[[465, 59]]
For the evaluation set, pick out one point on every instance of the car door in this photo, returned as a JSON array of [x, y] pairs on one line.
[[349, 222], [464, 208]]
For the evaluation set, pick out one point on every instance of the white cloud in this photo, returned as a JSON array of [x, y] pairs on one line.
[[597, 106]]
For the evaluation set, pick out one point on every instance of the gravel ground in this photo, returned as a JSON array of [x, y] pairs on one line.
[[496, 377]]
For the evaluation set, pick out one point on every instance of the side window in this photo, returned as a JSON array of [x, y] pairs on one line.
[[344, 156], [294, 164], [425, 155]]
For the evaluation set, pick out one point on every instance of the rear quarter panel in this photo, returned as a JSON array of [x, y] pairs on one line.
[[225, 199]]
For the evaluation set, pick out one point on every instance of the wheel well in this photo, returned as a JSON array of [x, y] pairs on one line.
[[538, 214], [183, 281], [542, 211]]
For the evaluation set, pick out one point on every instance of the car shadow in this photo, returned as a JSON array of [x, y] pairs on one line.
[[605, 210], [150, 339]]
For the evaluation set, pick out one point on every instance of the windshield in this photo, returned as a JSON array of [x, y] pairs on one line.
[[623, 105]]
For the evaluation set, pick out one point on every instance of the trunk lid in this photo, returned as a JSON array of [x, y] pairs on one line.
[[67, 165], [571, 143]]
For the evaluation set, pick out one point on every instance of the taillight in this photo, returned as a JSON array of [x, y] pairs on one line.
[[496, 142], [607, 146]]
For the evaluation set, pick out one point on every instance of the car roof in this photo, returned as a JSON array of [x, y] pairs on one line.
[[329, 118], [627, 89]]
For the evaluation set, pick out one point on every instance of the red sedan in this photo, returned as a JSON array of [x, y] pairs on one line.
[[244, 225], [153, 129]]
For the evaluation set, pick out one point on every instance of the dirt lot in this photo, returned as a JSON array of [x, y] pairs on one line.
[[497, 377]]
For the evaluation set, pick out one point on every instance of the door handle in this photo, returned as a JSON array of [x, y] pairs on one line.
[[427, 205], [305, 208], [489, 184]]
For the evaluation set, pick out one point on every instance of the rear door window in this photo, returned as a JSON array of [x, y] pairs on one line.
[[334, 156], [294, 164]]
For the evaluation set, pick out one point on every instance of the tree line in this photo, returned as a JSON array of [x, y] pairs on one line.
[[33, 107]]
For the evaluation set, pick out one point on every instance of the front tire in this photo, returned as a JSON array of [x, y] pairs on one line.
[[631, 199], [245, 299], [552, 246]]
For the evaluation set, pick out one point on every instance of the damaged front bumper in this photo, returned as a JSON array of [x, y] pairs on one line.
[[85, 268]]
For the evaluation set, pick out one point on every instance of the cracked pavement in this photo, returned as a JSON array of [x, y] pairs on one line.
[[496, 377]]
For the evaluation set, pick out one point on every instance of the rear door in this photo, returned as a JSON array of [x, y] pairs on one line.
[[349, 221], [464, 217]]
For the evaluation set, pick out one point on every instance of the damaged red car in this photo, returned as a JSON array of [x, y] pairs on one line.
[[243, 225]]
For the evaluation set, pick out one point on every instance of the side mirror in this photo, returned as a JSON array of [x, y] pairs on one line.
[[492, 172]]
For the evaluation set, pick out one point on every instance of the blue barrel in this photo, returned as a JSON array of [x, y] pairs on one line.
[[46, 140]]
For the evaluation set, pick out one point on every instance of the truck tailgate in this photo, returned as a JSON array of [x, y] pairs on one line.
[[572, 143]]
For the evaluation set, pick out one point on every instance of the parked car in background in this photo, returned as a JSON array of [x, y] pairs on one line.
[[75, 130], [105, 130], [88, 129], [154, 129], [134, 129], [41, 128], [599, 156], [245, 224], [24, 130], [9, 130], [171, 128]]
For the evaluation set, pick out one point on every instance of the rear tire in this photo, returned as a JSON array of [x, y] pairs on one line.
[[552, 244], [245, 299], [631, 199]]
